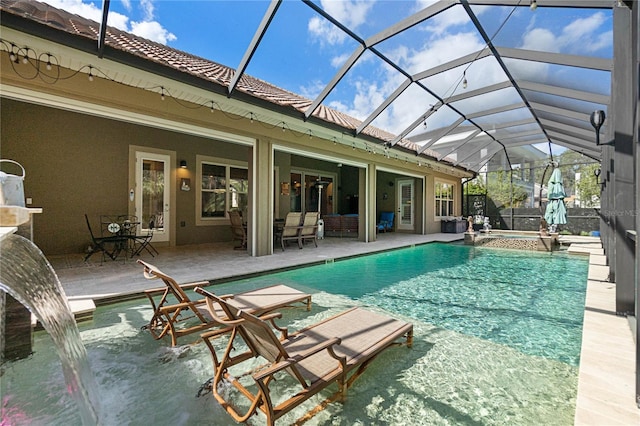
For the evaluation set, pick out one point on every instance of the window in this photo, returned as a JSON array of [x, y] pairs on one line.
[[214, 190], [223, 187], [444, 199]]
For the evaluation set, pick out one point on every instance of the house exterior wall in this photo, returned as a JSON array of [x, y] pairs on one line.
[[74, 139], [77, 164]]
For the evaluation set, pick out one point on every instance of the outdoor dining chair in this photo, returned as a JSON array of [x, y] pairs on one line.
[[109, 245]]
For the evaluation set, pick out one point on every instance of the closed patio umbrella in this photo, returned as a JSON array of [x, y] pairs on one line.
[[556, 212]]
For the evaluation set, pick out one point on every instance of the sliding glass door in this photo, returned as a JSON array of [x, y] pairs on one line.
[[312, 192]]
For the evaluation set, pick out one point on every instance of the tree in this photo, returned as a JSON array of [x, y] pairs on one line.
[[502, 191], [588, 188], [475, 187]]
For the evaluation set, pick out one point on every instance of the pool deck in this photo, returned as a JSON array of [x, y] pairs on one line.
[[606, 382], [606, 394]]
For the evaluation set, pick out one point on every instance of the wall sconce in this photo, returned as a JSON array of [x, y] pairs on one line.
[[597, 172], [597, 120], [183, 164]]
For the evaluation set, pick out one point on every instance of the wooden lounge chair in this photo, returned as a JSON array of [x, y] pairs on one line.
[[176, 315], [336, 350]]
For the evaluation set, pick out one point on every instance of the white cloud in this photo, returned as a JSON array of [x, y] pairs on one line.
[[312, 90], [578, 37], [602, 41], [452, 17], [89, 11], [367, 94], [580, 28], [540, 39], [147, 28], [443, 49], [438, 49], [147, 9], [352, 13], [338, 61], [152, 30], [325, 32]]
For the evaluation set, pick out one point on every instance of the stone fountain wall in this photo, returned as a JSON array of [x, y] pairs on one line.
[[18, 340]]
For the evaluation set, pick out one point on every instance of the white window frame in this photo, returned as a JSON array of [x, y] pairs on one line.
[[436, 199], [216, 161]]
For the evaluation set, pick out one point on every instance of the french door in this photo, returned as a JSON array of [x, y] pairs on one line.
[[405, 205], [312, 192], [153, 193]]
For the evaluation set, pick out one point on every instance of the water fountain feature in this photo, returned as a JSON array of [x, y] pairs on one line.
[[26, 275]]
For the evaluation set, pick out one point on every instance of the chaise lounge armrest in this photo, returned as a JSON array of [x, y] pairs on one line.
[[231, 323]]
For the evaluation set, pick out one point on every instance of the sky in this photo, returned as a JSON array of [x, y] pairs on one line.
[[301, 51]]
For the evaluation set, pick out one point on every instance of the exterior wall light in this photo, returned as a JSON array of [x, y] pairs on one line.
[[597, 172], [597, 120]]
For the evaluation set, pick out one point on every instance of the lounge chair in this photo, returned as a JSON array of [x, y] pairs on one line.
[[336, 350], [386, 221], [238, 229], [174, 308], [291, 228], [309, 228]]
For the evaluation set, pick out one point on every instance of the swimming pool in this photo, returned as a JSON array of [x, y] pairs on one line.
[[488, 349], [529, 301]]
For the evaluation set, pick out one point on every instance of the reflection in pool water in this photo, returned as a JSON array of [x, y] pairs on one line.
[[496, 342]]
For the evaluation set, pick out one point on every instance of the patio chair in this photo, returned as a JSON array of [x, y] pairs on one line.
[[335, 350], [291, 228], [386, 222], [309, 228], [238, 229], [176, 315], [100, 244], [143, 241]]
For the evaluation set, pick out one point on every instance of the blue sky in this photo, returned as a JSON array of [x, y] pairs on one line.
[[301, 52]]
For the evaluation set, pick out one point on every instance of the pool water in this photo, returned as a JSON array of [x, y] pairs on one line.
[[532, 302], [496, 342]]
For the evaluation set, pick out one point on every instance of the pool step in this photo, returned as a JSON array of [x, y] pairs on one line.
[[82, 310]]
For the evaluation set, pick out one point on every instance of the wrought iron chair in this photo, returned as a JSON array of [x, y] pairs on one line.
[[100, 244], [143, 241]]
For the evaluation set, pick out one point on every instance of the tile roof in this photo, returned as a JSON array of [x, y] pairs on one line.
[[189, 64]]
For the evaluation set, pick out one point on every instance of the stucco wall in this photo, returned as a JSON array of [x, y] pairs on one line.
[[77, 164]]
